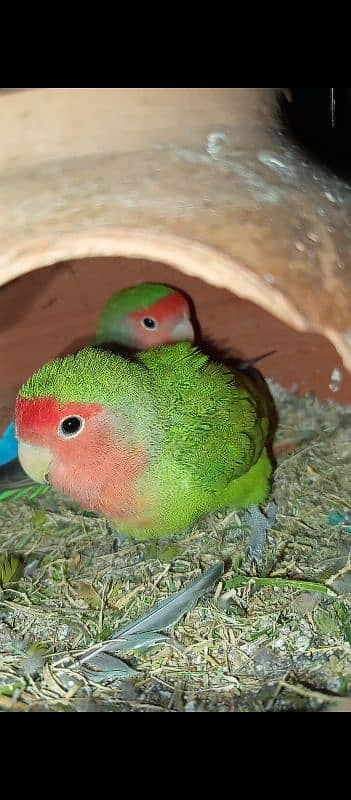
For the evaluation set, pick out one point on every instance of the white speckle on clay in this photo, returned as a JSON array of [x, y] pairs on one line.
[[215, 141], [335, 380], [329, 197], [300, 247], [313, 237], [286, 171], [219, 154], [192, 156], [321, 212], [269, 278], [347, 338], [260, 188], [267, 195], [340, 264]]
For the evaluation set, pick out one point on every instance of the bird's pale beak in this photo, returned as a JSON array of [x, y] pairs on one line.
[[34, 460], [183, 331]]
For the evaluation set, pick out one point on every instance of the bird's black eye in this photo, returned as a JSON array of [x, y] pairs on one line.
[[70, 426], [149, 323]]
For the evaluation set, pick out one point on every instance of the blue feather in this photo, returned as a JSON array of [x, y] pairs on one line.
[[8, 445]]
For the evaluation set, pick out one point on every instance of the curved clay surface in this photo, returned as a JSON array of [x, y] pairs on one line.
[[203, 180]]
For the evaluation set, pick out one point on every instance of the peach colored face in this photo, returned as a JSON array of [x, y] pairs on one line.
[[77, 448], [165, 322]]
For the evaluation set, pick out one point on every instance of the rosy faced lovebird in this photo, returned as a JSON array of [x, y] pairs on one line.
[[145, 316], [135, 318], [152, 441]]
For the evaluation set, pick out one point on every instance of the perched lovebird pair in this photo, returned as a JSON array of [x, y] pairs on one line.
[[154, 439]]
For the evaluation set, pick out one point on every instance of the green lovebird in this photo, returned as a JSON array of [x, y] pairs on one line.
[[145, 316], [135, 318], [152, 441]]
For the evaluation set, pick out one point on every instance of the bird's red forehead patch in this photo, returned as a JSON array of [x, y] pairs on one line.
[[173, 305], [40, 415]]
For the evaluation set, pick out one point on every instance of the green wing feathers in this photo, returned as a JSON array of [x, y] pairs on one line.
[[218, 419]]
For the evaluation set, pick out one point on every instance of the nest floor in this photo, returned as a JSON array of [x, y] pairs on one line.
[[280, 641]]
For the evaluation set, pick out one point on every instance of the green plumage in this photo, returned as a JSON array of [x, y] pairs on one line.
[[111, 325], [90, 376], [204, 428]]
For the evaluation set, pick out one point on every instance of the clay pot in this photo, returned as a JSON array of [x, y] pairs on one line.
[[196, 187]]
